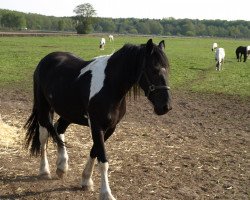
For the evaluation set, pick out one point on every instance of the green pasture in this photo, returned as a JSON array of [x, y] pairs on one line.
[[192, 64]]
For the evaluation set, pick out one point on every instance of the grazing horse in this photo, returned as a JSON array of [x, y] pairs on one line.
[[214, 46], [92, 93], [102, 43], [242, 51], [219, 57], [111, 38]]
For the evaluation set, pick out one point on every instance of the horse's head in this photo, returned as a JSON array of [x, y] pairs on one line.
[[154, 77]]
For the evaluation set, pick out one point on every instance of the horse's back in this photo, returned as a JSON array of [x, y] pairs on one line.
[[220, 51], [56, 80], [58, 67], [240, 49], [60, 62]]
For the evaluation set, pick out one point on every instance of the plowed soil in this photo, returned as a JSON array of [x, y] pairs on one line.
[[199, 150]]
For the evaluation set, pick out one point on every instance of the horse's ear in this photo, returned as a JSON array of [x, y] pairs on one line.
[[162, 45], [149, 46]]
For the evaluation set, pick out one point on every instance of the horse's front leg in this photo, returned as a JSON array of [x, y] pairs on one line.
[[44, 171], [105, 193], [98, 150], [87, 182], [105, 189]]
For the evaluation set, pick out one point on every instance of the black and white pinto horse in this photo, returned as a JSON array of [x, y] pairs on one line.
[[245, 51], [92, 93]]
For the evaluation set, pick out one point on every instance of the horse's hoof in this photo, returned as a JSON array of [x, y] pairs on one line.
[[106, 196], [60, 173], [87, 185], [45, 175], [88, 188]]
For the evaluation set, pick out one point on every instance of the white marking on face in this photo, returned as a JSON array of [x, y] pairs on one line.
[[97, 68]]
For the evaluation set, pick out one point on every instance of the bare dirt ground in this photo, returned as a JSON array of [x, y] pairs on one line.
[[200, 150]]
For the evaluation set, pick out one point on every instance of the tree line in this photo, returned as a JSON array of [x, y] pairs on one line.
[[13, 20]]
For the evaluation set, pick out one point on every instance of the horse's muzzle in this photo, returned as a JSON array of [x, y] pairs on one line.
[[162, 110]]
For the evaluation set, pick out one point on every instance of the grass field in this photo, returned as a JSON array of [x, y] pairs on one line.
[[191, 59]]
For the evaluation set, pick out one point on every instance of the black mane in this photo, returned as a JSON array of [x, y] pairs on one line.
[[132, 63], [127, 61]]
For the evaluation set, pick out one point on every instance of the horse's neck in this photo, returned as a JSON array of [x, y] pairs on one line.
[[126, 71]]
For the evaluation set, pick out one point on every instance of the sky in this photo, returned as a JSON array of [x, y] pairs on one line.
[[152, 9]]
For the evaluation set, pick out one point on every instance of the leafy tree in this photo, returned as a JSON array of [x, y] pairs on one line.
[[200, 29], [84, 18], [155, 27], [13, 20], [107, 25], [143, 28], [234, 31], [98, 28], [61, 25], [212, 30]]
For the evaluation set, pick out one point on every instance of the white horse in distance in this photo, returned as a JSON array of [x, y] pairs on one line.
[[214, 46], [219, 57], [102, 43], [111, 38]]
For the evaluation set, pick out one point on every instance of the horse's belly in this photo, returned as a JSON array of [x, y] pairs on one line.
[[69, 107]]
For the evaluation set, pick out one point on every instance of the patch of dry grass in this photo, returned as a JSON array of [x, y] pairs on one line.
[[10, 136], [7, 134]]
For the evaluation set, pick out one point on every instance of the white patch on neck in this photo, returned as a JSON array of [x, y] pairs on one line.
[[97, 68]]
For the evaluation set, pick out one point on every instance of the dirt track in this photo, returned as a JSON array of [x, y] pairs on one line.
[[200, 150]]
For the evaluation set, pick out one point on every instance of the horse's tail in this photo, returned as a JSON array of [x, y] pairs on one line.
[[32, 126], [32, 134]]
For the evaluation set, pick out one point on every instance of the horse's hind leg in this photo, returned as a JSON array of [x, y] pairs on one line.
[[46, 128], [44, 164], [245, 57], [62, 158], [44, 170]]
